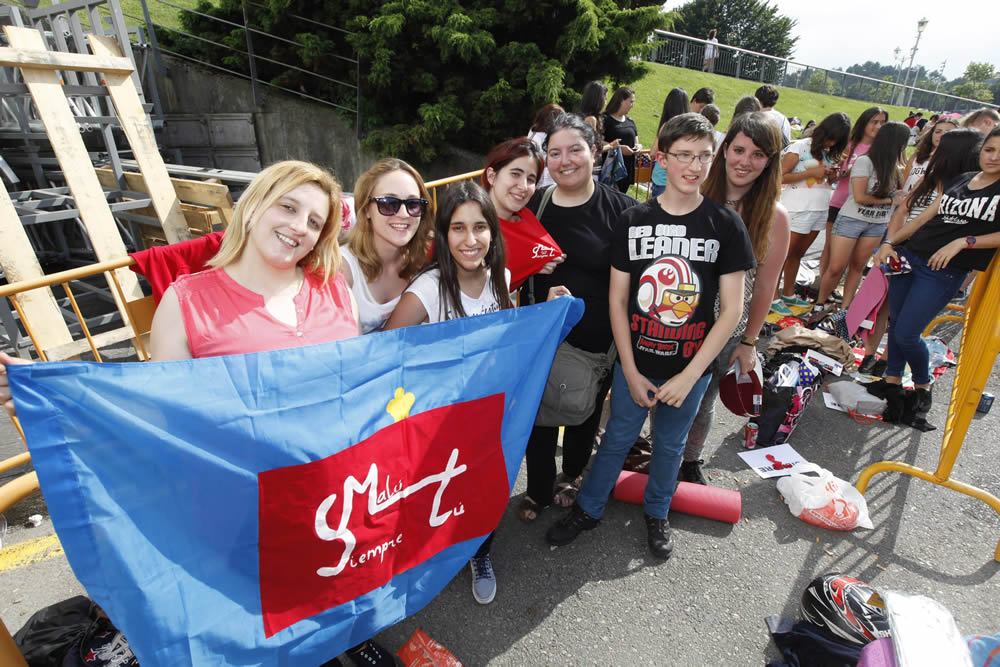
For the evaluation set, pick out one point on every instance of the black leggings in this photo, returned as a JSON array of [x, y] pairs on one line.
[[578, 443]]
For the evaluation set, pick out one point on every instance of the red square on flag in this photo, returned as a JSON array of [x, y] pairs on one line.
[[334, 529]]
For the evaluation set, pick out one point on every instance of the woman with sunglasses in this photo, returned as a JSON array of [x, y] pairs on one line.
[[579, 215], [511, 173], [387, 246]]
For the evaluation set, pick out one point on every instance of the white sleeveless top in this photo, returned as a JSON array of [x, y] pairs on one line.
[[372, 314]]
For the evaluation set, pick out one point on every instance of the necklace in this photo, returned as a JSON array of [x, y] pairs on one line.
[[733, 203]]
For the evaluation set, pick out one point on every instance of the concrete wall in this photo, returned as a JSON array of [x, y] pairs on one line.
[[286, 127]]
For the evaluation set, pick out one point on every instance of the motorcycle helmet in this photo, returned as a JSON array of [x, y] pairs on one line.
[[845, 607]]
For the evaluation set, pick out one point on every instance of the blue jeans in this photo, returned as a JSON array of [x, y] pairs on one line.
[[915, 298], [670, 430]]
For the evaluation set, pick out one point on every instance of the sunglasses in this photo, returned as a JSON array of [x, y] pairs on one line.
[[390, 206]]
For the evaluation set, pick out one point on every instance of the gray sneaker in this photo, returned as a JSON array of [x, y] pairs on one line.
[[484, 582]]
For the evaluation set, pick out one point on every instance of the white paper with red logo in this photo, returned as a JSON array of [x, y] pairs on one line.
[[814, 495]]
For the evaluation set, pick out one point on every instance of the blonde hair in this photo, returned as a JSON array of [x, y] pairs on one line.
[[361, 238], [268, 186]]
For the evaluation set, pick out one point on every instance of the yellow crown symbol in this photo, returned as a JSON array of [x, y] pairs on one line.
[[399, 407]]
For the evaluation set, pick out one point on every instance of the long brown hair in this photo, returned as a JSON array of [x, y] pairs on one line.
[[760, 201], [449, 292], [361, 238]]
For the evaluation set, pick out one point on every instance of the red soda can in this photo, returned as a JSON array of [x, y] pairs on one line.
[[750, 435]]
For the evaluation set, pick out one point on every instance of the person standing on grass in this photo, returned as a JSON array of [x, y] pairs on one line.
[[670, 258], [807, 167], [711, 51], [619, 127]]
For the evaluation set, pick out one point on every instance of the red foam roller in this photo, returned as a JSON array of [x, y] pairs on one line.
[[709, 502]]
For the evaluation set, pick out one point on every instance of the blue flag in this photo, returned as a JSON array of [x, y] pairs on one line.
[[281, 507]]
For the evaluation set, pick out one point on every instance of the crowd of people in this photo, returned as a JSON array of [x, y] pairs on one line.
[[679, 285]]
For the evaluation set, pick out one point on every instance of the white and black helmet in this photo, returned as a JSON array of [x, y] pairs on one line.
[[846, 607]]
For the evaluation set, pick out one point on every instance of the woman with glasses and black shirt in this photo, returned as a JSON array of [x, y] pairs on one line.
[[388, 245]]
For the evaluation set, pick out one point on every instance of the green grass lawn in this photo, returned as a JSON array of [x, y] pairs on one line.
[[161, 14], [651, 90]]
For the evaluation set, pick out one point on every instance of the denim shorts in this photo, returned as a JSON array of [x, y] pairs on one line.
[[853, 228]]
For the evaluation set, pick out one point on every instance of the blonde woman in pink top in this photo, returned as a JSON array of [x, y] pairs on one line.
[[276, 281]]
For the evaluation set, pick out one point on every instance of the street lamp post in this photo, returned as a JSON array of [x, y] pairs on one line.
[[940, 75], [899, 72], [921, 24]]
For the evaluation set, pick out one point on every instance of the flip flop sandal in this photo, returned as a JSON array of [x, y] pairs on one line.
[[528, 510], [566, 490]]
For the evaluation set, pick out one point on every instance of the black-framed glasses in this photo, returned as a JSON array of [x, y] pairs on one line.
[[687, 158], [415, 207]]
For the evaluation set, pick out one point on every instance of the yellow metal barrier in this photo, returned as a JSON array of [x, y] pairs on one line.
[[434, 186], [63, 279], [946, 318], [979, 349]]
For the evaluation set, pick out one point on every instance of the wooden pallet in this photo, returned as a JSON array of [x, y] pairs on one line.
[[40, 70]]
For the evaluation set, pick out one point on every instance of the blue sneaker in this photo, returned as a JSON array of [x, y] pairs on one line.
[[778, 306], [484, 581], [795, 301]]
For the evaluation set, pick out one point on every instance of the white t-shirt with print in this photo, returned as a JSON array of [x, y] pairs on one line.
[[870, 213], [425, 288], [810, 194]]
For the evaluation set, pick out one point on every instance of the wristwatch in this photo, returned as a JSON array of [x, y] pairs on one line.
[[751, 341], [970, 241]]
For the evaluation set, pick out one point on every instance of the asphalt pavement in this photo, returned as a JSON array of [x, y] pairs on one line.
[[604, 601]]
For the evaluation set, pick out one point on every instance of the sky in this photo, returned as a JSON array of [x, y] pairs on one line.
[[830, 35]]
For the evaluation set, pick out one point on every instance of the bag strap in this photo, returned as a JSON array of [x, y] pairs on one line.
[[546, 198]]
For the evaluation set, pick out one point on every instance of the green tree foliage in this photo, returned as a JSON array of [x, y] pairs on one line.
[[975, 86], [441, 72], [821, 82], [748, 24]]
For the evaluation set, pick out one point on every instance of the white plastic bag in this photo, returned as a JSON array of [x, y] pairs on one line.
[[814, 495]]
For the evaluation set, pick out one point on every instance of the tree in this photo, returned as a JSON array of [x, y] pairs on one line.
[[457, 72], [749, 24], [821, 82], [975, 87]]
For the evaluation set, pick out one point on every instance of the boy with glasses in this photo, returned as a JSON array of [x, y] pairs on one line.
[[671, 259]]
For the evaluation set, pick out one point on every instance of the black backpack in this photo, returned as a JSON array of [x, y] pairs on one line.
[[73, 633]]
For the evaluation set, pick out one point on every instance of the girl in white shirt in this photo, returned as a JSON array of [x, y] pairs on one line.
[[467, 276], [388, 245]]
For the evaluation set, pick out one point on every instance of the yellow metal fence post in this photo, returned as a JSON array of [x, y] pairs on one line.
[[979, 349]]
